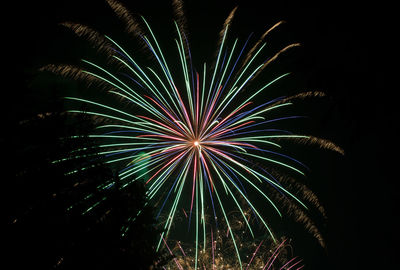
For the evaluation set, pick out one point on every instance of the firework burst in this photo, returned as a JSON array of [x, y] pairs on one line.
[[257, 254], [266, 253], [198, 142], [277, 256]]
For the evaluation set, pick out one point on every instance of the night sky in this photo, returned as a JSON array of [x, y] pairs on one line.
[[346, 52]]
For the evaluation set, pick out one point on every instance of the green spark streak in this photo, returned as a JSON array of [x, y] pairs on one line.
[[138, 67], [230, 95], [264, 87], [161, 179], [185, 73], [234, 89], [152, 88], [117, 160], [203, 91], [93, 206], [248, 201], [168, 76], [156, 185], [157, 126], [136, 98], [247, 180], [163, 64], [143, 122], [280, 187], [84, 199], [203, 133], [229, 226], [132, 171], [260, 138], [125, 229], [232, 195], [275, 161], [144, 74], [80, 169], [229, 60], [171, 215], [105, 107], [168, 93], [202, 206], [197, 222], [288, 136], [133, 99], [253, 139], [147, 124], [216, 64], [252, 116], [248, 64], [223, 74], [185, 69], [116, 79], [102, 115], [264, 110], [236, 147]]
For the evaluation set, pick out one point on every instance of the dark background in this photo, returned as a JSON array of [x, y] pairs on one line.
[[347, 51]]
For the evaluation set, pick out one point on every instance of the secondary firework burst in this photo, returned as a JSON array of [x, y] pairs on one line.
[[205, 142], [274, 256], [260, 255], [256, 253]]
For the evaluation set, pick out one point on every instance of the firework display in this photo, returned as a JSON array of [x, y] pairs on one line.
[[204, 140]]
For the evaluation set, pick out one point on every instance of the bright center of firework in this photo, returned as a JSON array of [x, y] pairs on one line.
[[196, 143]]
